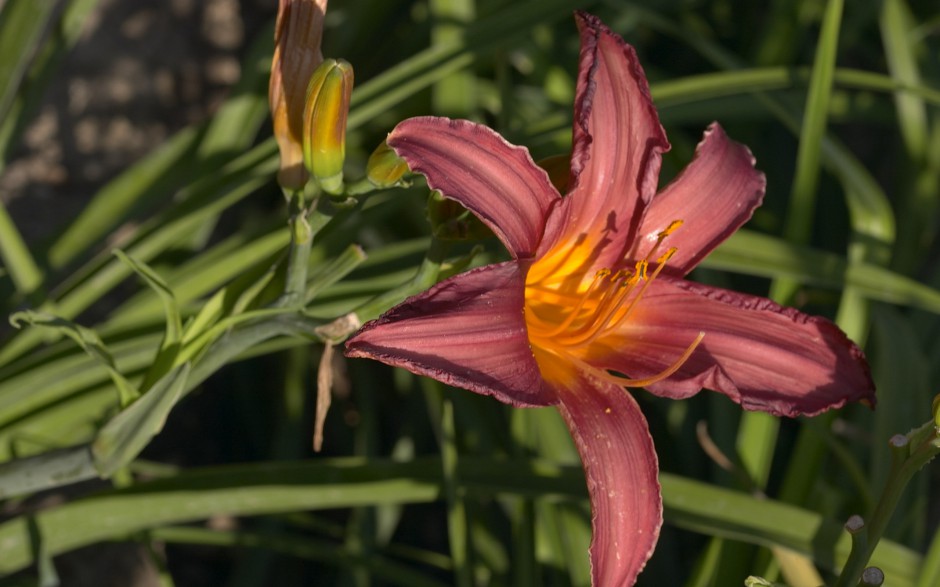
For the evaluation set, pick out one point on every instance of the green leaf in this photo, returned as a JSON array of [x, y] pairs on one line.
[[168, 352], [896, 24], [28, 94], [753, 253], [304, 546], [174, 324], [23, 23], [337, 483], [87, 339], [930, 572], [19, 262], [126, 434], [802, 204]]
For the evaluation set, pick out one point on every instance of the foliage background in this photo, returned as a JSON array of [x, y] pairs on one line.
[[165, 153]]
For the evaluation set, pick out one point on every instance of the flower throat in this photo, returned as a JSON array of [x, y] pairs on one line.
[[566, 312]]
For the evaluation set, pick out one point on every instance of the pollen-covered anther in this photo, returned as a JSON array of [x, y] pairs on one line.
[[666, 256], [641, 267], [673, 226], [661, 236]]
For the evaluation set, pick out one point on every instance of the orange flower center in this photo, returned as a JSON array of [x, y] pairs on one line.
[[568, 308]]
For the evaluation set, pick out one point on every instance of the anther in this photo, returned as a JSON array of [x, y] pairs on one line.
[[673, 226], [666, 256]]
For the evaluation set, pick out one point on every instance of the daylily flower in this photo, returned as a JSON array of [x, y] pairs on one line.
[[297, 36], [594, 302]]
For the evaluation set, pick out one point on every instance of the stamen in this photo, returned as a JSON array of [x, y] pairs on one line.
[[673, 226], [666, 256], [660, 263], [625, 382], [606, 308], [598, 279], [558, 316], [661, 236]]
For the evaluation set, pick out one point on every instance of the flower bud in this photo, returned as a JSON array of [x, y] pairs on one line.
[[451, 221], [325, 113], [297, 36], [385, 168]]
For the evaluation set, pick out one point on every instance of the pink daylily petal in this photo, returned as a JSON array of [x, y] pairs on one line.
[[468, 331], [621, 468], [474, 165], [761, 355], [713, 196], [617, 144]]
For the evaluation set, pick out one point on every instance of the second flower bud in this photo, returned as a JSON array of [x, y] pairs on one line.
[[325, 113]]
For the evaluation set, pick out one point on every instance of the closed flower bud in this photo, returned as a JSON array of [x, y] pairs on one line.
[[384, 168], [297, 37], [325, 115]]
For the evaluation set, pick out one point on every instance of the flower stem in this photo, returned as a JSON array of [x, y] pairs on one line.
[[908, 455], [301, 238]]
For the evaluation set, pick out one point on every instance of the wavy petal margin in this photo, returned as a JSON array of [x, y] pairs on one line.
[[617, 143], [470, 163], [714, 196], [763, 356], [468, 331], [622, 472]]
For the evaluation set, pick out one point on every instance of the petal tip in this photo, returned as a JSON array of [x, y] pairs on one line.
[[597, 38]]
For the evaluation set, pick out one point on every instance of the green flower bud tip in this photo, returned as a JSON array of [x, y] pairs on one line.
[[385, 168], [325, 112]]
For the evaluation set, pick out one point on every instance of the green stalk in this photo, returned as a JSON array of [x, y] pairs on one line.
[[907, 460], [301, 238]]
